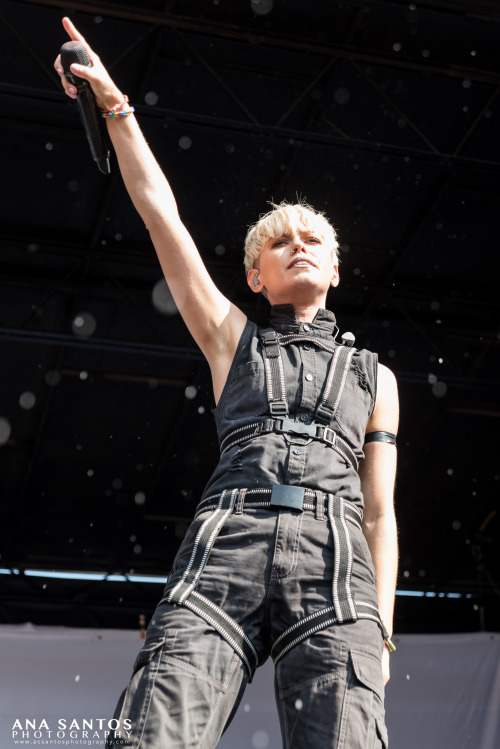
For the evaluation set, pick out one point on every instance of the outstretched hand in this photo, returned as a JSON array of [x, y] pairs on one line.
[[107, 94]]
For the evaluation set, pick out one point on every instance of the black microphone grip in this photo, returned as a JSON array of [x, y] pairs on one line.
[[75, 52]]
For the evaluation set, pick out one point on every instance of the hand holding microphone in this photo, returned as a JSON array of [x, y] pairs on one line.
[[85, 79], [75, 52]]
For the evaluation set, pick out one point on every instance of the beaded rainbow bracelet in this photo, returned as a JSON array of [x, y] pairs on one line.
[[116, 111], [121, 113]]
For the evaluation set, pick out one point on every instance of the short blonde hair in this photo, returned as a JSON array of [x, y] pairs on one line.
[[278, 221]]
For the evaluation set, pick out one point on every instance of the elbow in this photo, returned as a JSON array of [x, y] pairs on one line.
[[380, 522]]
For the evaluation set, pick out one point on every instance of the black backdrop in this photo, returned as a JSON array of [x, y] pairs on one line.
[[383, 114]]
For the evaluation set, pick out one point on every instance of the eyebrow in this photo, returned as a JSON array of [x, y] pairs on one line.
[[308, 232]]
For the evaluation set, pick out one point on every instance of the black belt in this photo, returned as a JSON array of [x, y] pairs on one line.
[[286, 426], [313, 500]]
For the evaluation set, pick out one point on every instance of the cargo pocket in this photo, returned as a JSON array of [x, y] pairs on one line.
[[368, 670], [366, 698], [134, 704], [152, 646]]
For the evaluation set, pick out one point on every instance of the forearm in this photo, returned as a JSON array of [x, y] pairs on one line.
[[144, 180], [153, 198], [381, 535]]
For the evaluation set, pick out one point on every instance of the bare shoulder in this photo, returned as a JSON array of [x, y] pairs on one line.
[[386, 381], [386, 412]]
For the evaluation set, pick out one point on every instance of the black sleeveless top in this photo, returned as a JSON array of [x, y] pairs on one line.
[[286, 458]]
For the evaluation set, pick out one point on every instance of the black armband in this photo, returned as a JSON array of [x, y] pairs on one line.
[[380, 437]]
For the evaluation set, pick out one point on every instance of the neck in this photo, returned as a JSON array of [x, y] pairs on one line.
[[302, 313], [305, 313], [305, 309]]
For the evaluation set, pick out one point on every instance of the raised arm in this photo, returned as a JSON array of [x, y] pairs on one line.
[[378, 472], [214, 322]]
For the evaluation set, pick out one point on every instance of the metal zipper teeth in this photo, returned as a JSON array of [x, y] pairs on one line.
[[206, 552], [228, 619], [311, 631], [364, 603], [269, 379], [299, 624], [182, 581], [282, 381], [336, 565], [331, 375], [349, 598], [211, 540], [220, 628], [190, 563], [223, 447], [344, 376], [226, 626]]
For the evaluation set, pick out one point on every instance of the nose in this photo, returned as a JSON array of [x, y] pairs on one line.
[[297, 245]]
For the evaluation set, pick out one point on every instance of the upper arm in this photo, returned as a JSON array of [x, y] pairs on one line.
[[214, 322], [385, 416], [378, 470]]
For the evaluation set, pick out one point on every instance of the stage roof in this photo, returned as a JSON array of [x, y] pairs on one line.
[[383, 114]]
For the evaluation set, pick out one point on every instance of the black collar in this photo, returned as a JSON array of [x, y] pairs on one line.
[[283, 320]]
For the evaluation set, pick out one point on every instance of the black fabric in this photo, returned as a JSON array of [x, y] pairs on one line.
[[251, 457], [282, 319], [380, 437]]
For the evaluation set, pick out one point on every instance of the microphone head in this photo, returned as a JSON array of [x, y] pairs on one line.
[[74, 52]]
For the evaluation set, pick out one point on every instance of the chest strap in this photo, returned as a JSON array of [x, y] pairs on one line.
[[275, 373], [333, 388], [319, 432]]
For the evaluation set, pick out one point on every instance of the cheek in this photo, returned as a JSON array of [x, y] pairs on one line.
[[272, 263]]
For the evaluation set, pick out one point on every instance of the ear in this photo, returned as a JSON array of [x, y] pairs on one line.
[[334, 281], [254, 282]]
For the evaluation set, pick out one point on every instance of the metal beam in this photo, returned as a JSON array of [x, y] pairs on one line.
[[225, 126], [229, 31], [96, 344]]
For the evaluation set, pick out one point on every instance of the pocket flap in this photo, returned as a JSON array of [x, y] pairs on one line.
[[368, 670], [153, 642]]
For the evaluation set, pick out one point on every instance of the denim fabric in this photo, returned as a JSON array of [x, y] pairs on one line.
[[267, 570], [275, 458]]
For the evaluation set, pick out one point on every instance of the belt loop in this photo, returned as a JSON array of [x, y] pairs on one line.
[[320, 505], [238, 507]]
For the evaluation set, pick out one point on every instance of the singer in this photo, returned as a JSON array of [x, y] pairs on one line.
[[293, 549]]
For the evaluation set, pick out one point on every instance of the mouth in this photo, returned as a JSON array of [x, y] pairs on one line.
[[302, 262]]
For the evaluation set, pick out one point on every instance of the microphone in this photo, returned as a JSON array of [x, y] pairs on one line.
[[75, 52]]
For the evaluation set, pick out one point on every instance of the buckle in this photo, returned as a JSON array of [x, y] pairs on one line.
[[268, 337], [278, 408], [288, 496], [297, 427], [324, 414], [329, 436], [264, 427]]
